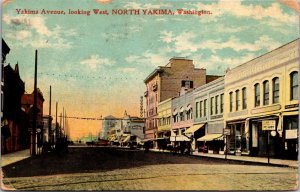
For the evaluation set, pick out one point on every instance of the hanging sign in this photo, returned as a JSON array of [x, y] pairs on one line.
[[268, 125]]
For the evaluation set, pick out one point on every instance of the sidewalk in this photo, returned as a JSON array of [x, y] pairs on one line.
[[14, 157], [260, 160]]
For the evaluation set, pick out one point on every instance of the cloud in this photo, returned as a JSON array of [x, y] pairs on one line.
[[166, 36], [187, 43], [153, 59], [128, 69], [217, 63], [236, 8], [96, 60], [34, 32]]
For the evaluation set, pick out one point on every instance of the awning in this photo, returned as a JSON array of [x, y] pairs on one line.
[[162, 138], [194, 128], [181, 109], [179, 138], [210, 137], [175, 112], [126, 139], [188, 107]]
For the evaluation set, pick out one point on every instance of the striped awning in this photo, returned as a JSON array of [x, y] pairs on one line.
[[194, 128]]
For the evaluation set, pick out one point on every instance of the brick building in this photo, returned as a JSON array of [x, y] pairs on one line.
[[166, 82]]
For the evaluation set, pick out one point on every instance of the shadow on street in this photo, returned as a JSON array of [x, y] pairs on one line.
[[97, 159]]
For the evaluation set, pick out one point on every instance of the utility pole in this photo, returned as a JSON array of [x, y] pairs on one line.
[[50, 120], [56, 128], [60, 131], [34, 107]]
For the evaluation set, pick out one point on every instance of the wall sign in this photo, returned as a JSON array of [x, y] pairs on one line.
[[268, 125]]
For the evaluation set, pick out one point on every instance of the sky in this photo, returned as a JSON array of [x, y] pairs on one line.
[[96, 64]]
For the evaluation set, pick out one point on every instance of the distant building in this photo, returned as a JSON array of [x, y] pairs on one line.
[[107, 123], [27, 105]]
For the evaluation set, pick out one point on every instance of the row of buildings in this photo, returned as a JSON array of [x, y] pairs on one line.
[[252, 110], [17, 111], [124, 130]]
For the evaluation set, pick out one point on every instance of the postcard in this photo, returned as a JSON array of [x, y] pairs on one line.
[[149, 95]]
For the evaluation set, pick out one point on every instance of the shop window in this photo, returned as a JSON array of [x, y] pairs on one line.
[[211, 105], [222, 103], [205, 108], [244, 98], [230, 102], [237, 100], [275, 90], [217, 104], [266, 92], [292, 123], [294, 85], [256, 95]]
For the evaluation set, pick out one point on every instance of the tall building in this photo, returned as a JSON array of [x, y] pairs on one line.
[[166, 82]]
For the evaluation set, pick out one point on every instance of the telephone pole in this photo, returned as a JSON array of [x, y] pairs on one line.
[[50, 120], [34, 107]]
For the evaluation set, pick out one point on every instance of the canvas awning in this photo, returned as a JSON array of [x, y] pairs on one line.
[[175, 112], [179, 138], [210, 137], [126, 139], [194, 128]]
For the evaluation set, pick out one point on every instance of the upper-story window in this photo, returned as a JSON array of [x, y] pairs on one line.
[[237, 100], [294, 85], [205, 108], [256, 95], [201, 108], [266, 92], [222, 103], [275, 83], [211, 105], [217, 104], [187, 84], [197, 108], [230, 102], [244, 98]]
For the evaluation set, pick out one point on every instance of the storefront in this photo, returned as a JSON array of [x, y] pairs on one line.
[[265, 136], [238, 140], [213, 143], [290, 135]]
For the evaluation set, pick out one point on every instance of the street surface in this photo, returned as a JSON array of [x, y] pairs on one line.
[[99, 168]]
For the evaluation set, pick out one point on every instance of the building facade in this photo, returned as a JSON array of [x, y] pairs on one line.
[[107, 123], [14, 130], [262, 107], [182, 118], [164, 122], [166, 82], [208, 116]]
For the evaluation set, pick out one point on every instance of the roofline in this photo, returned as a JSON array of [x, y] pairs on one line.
[[241, 65]]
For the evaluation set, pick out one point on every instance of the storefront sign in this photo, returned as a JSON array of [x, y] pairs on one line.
[[268, 125], [291, 134], [291, 106]]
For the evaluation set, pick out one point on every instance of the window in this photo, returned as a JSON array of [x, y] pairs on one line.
[[237, 100], [217, 104], [222, 103], [205, 108], [212, 106], [294, 85], [276, 90], [201, 108], [256, 95], [187, 84], [266, 92], [197, 108], [230, 102], [244, 98], [181, 116]]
